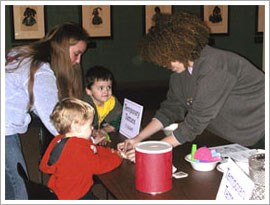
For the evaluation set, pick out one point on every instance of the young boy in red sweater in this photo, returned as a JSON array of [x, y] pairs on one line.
[[71, 158]]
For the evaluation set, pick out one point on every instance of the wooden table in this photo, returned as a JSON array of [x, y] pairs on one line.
[[197, 186]]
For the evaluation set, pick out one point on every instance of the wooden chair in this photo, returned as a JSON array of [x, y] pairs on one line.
[[35, 190]]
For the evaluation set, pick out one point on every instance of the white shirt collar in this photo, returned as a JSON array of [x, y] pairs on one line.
[[190, 69]]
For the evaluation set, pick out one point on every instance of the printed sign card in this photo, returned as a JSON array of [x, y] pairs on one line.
[[131, 119], [235, 184]]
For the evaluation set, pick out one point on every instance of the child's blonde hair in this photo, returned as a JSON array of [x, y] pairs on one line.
[[68, 111]]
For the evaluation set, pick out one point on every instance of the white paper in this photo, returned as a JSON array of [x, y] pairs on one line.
[[227, 150], [242, 156], [131, 119], [237, 152], [222, 167], [235, 184]]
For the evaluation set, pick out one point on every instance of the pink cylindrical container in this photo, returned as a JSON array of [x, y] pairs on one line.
[[153, 167]]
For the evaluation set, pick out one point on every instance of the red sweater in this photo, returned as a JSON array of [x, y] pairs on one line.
[[72, 174]]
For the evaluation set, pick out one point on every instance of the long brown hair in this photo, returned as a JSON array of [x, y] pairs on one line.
[[54, 49], [177, 37]]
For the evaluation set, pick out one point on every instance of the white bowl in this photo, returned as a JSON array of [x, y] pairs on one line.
[[201, 166], [169, 129]]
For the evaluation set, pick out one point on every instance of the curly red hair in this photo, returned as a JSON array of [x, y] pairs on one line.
[[174, 37]]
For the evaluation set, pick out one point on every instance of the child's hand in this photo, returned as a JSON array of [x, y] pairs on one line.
[[101, 137], [104, 142], [127, 150], [108, 128], [118, 153], [122, 154]]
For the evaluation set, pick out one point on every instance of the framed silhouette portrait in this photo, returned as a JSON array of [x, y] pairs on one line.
[[260, 18], [96, 19], [152, 12], [28, 22], [217, 18]]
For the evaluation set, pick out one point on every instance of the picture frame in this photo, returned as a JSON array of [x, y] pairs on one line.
[[217, 18], [28, 22], [96, 19], [260, 19], [151, 11]]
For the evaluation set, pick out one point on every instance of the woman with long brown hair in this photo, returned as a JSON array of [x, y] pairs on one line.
[[37, 76]]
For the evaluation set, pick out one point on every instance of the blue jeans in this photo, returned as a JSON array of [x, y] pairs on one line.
[[14, 185]]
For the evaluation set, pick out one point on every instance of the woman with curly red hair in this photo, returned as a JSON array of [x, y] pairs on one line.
[[209, 89]]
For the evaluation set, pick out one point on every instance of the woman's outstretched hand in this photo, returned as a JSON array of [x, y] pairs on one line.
[[127, 149]]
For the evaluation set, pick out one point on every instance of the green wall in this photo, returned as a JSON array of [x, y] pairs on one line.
[[119, 52]]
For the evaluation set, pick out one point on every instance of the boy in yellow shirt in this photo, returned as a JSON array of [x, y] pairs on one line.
[[99, 84]]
